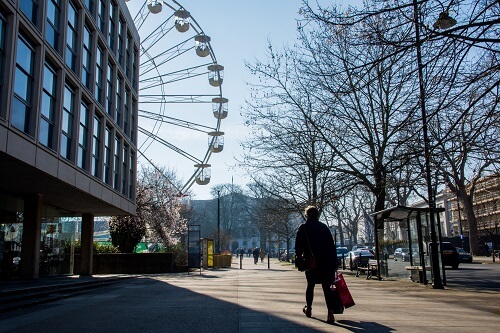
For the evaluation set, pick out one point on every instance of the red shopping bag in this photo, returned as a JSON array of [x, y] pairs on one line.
[[343, 291]]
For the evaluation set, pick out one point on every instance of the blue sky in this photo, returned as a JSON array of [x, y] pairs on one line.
[[239, 31]]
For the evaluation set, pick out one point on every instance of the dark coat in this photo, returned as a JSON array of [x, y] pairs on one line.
[[322, 245]]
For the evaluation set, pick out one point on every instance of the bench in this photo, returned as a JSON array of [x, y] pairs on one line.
[[370, 268], [417, 273]]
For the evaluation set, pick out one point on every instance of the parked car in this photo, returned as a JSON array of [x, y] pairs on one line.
[[402, 253], [341, 251], [359, 258], [463, 255], [449, 255]]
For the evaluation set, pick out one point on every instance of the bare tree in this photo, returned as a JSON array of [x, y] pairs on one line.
[[461, 78]]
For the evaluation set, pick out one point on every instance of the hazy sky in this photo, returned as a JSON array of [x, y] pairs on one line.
[[239, 31]]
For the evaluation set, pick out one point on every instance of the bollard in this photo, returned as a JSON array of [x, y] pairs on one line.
[[268, 262], [343, 261], [241, 262]]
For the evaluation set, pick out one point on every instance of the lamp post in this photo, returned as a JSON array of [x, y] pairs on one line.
[[218, 222], [460, 223], [437, 283]]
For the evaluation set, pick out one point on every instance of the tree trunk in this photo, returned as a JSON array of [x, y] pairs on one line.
[[472, 222]]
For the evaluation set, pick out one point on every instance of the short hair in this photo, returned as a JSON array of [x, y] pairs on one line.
[[312, 212]]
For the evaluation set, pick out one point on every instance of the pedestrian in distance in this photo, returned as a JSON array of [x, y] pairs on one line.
[[241, 253], [315, 239], [256, 255], [262, 255]]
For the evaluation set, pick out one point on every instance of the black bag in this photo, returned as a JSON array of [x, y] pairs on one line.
[[338, 307], [305, 263]]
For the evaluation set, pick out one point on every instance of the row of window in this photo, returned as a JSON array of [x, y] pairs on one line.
[[67, 120], [98, 67], [103, 14]]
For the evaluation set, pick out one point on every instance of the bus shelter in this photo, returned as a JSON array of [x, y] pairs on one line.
[[402, 243]]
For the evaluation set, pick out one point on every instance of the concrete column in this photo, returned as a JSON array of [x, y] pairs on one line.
[[87, 244], [32, 226]]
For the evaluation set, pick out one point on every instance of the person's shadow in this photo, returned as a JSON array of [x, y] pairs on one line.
[[363, 326]]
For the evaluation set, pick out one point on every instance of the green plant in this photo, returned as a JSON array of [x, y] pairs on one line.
[[179, 253]]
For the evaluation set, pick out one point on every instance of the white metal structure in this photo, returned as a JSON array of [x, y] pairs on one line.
[[178, 106]]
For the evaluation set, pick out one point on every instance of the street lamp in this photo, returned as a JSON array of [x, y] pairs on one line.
[[437, 283]]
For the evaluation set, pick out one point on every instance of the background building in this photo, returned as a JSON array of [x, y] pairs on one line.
[[68, 128], [486, 202]]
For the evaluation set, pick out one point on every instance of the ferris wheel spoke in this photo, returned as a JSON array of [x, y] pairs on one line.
[[154, 63], [185, 74], [176, 99], [169, 145], [175, 121]]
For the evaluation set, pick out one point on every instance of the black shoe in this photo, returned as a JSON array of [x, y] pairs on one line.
[[331, 318], [308, 311]]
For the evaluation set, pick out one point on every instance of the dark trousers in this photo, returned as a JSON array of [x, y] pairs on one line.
[[313, 277]]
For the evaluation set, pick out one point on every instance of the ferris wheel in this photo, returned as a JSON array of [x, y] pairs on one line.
[[181, 105]]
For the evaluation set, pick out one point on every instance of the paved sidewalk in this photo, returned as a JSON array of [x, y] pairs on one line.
[[271, 300], [258, 299]]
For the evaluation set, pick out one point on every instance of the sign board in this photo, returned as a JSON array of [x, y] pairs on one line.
[[194, 246], [208, 253]]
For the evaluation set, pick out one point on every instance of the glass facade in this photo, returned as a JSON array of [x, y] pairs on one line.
[[109, 89], [52, 26], [3, 25], [72, 37], [48, 111], [96, 144], [69, 97], [30, 9], [107, 156], [23, 86], [116, 165], [87, 58], [67, 123], [118, 114], [101, 16], [111, 26], [83, 134], [99, 72]]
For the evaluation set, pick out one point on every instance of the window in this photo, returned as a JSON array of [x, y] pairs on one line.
[[89, 4], [128, 56], [107, 155], [71, 37], [134, 68], [87, 58], [98, 75], [131, 183], [3, 25], [48, 110], [111, 27], [67, 122], [109, 90], [101, 16], [126, 112], [132, 121], [119, 84], [23, 86], [30, 9], [96, 146], [52, 27], [121, 36], [124, 170], [116, 164], [83, 135]]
